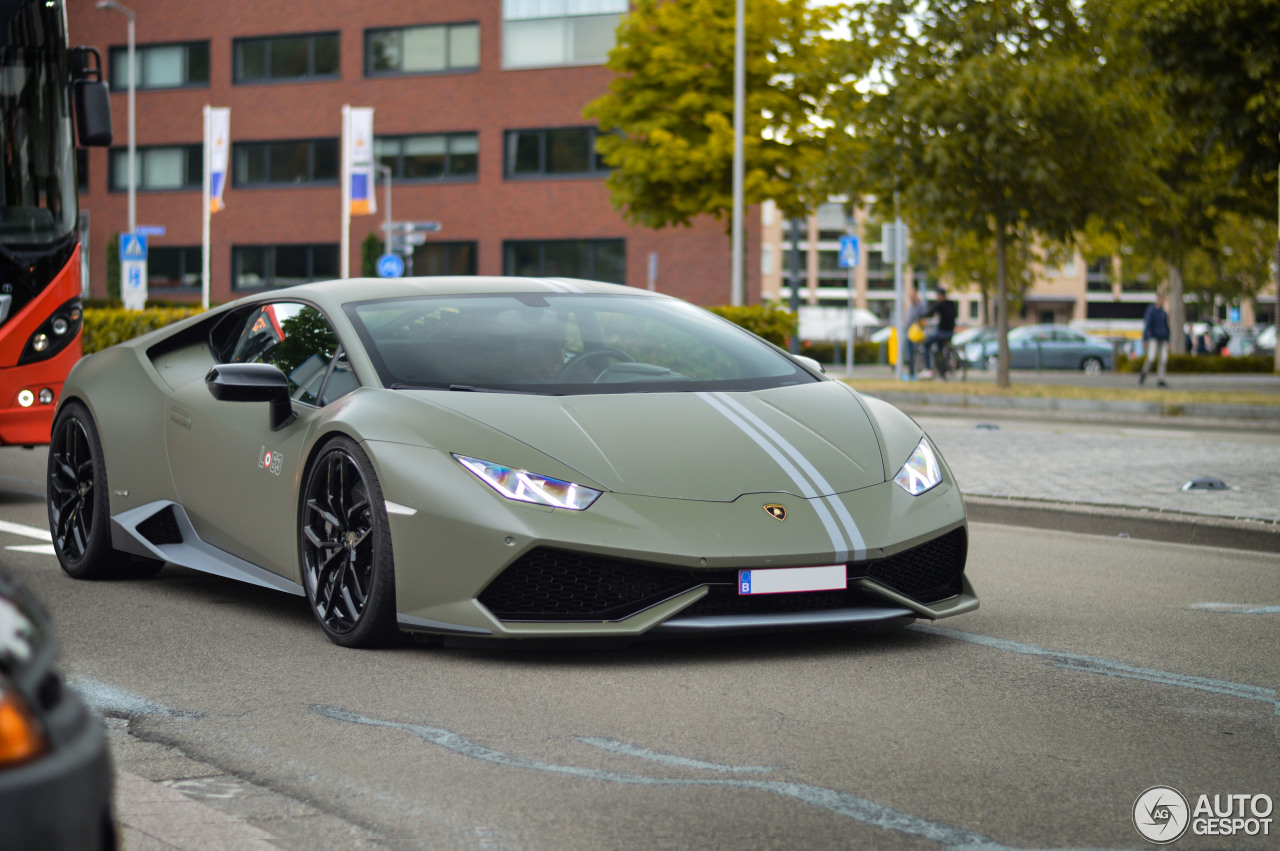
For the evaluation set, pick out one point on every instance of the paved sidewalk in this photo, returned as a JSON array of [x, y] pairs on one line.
[[155, 817]]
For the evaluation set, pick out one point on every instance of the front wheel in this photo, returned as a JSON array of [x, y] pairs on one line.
[[1092, 366], [79, 504], [345, 543]]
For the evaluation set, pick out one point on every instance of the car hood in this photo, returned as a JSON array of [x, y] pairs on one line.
[[807, 440]]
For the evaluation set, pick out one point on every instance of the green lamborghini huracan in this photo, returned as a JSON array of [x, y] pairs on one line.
[[503, 458]]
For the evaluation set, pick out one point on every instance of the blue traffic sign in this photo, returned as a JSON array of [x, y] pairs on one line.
[[133, 246], [150, 230], [390, 266], [849, 250]]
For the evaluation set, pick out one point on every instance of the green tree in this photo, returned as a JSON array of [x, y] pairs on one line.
[[668, 115], [1223, 67], [1198, 172], [996, 119]]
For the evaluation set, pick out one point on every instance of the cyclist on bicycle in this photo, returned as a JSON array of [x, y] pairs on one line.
[[945, 309]]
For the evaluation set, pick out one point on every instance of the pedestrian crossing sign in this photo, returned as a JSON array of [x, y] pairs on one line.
[[133, 246]]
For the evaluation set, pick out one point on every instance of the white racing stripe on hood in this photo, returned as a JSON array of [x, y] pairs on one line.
[[812, 483], [806, 488]]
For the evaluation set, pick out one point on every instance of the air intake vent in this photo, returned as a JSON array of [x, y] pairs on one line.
[[928, 573], [161, 528]]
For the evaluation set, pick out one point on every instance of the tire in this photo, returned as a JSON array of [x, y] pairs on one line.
[[1091, 366], [344, 544], [79, 503]]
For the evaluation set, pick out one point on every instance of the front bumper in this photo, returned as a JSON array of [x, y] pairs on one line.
[[462, 542]]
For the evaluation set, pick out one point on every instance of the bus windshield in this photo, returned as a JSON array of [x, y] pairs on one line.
[[37, 159]]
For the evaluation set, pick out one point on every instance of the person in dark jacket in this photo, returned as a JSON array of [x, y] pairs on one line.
[[1155, 338], [946, 310]]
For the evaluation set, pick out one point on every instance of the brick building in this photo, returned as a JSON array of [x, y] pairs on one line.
[[478, 112]]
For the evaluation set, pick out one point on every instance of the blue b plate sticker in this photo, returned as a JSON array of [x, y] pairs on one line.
[[791, 580]]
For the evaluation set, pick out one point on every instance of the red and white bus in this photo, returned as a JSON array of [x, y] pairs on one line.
[[42, 82]]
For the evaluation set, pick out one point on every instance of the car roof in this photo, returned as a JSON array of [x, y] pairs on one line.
[[333, 294]]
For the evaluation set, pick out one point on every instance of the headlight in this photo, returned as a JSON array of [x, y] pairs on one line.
[[529, 487], [921, 472]]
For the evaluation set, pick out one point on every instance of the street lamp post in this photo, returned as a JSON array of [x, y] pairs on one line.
[[737, 284], [133, 144]]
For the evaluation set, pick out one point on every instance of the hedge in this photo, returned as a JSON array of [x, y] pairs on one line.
[[863, 352], [764, 320], [106, 326], [1203, 363]]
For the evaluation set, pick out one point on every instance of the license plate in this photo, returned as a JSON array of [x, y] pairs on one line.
[[790, 580]]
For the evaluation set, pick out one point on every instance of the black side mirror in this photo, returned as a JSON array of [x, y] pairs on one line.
[[90, 98], [253, 382]]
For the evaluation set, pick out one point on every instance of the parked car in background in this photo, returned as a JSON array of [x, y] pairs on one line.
[[56, 785], [971, 344], [1265, 342], [1046, 347]]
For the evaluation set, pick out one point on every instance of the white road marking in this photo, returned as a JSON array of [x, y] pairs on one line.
[[27, 531], [39, 549], [1236, 608]]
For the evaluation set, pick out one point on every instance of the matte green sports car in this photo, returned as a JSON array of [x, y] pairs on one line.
[[505, 458]]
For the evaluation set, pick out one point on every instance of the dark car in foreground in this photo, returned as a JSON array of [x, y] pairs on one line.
[[56, 785]]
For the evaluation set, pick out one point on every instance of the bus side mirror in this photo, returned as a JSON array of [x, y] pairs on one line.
[[90, 98]]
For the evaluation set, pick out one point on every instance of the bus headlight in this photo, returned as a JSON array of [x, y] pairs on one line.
[[54, 334]]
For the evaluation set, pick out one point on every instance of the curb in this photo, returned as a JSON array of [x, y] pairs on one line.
[[1233, 416], [1119, 521]]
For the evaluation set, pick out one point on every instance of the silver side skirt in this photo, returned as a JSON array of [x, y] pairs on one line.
[[782, 620], [192, 552]]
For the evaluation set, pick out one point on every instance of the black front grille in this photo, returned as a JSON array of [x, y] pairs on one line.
[[161, 528], [558, 585], [927, 573], [549, 584]]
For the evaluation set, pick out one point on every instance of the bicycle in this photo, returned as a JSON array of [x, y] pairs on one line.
[[947, 360]]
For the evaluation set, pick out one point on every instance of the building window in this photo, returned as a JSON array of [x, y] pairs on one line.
[[162, 66], [436, 157], [285, 163], [422, 50], [975, 307], [544, 33], [288, 57], [444, 258], [159, 168], [593, 259], [170, 268], [260, 267], [543, 153]]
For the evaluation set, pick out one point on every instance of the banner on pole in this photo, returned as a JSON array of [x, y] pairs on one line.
[[217, 147], [359, 155]]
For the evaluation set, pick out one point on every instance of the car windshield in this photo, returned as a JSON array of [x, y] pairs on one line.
[[558, 344]]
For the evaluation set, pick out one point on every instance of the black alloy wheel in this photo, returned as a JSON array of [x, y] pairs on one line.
[[78, 502], [345, 544]]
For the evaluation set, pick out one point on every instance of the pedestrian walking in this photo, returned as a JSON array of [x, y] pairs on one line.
[[1155, 338], [914, 330]]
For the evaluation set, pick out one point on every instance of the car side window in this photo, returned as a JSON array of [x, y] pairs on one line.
[[299, 340]]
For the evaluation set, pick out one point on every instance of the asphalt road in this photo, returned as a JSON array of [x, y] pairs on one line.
[[1095, 669]]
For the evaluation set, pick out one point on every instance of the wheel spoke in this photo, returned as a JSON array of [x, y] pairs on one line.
[[326, 516]]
